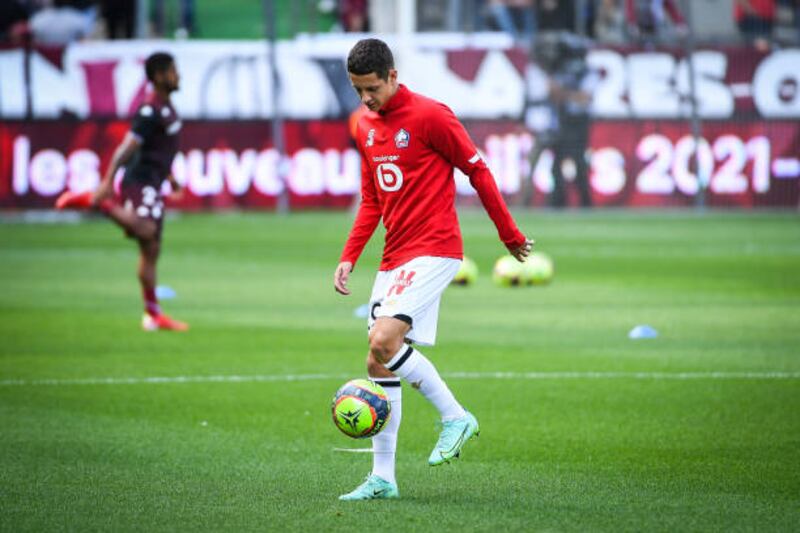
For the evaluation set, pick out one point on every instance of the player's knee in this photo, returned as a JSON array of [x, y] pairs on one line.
[[145, 230], [383, 345]]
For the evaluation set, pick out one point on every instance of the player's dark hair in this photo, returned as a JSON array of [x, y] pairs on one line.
[[368, 56], [157, 62]]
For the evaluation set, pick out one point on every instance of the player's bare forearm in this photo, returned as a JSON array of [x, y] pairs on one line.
[[121, 156]]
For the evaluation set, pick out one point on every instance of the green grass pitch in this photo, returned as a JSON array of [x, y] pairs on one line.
[[696, 430]]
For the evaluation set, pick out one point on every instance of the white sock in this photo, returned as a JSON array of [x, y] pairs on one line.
[[384, 444], [415, 368]]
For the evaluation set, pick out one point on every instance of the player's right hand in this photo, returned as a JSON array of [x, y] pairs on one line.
[[523, 251], [341, 276]]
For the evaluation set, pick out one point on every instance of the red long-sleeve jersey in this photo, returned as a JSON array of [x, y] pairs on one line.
[[408, 151]]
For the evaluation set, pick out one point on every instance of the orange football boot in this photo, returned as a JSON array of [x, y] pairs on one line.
[[162, 321], [69, 199]]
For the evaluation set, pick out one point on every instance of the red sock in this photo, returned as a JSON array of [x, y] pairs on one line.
[[151, 306]]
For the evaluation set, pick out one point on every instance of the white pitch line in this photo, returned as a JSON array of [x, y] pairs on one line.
[[266, 378], [624, 375], [353, 450]]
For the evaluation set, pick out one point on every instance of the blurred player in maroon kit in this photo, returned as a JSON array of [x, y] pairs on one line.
[[409, 146], [146, 152]]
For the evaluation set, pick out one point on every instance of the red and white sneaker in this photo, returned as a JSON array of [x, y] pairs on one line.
[[162, 322], [71, 200]]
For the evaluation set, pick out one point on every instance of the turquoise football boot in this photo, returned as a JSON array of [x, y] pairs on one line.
[[374, 488], [454, 435]]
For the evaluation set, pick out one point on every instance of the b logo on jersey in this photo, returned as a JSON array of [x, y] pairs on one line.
[[390, 177], [401, 138]]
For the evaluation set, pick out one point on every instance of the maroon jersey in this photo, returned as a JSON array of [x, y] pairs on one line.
[[408, 151], [155, 126]]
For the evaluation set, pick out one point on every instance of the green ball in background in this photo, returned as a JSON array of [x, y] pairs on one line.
[[537, 269], [467, 274]]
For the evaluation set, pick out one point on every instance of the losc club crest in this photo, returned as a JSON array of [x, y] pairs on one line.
[[401, 138]]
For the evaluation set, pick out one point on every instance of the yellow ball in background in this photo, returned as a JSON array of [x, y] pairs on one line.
[[537, 269]]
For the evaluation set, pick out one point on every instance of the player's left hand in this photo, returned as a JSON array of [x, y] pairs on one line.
[[523, 251], [341, 276]]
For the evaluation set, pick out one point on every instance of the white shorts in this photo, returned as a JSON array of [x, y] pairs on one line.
[[411, 292]]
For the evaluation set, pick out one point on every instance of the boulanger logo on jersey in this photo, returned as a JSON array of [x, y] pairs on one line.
[[390, 177], [401, 138]]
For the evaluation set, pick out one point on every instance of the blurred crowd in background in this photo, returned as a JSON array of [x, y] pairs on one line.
[[763, 23]]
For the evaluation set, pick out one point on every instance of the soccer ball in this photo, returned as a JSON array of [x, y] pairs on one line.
[[360, 409], [507, 272], [537, 269], [467, 274]]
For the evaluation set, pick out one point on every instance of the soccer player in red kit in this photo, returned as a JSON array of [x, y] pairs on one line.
[[409, 146], [146, 152]]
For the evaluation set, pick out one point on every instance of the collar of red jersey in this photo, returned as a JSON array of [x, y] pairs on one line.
[[399, 98]]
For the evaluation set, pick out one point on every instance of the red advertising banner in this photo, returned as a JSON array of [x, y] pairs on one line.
[[232, 164]]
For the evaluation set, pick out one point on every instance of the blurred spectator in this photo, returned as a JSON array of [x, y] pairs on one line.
[[609, 22], [647, 19], [14, 16], [795, 6], [120, 17], [505, 14], [755, 19], [555, 15], [559, 94], [64, 21], [353, 15], [185, 18]]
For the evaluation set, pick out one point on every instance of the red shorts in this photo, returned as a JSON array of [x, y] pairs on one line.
[[146, 201]]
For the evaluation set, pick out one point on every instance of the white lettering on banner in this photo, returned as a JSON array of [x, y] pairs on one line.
[[228, 80], [652, 94], [669, 166], [22, 153], [608, 171], [267, 180], [507, 158], [390, 177], [48, 172], [657, 85], [608, 97], [654, 177], [714, 98], [729, 165], [758, 149], [777, 84], [239, 170], [342, 171], [84, 171], [729, 178], [683, 159], [205, 181], [543, 173], [306, 174], [12, 83]]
